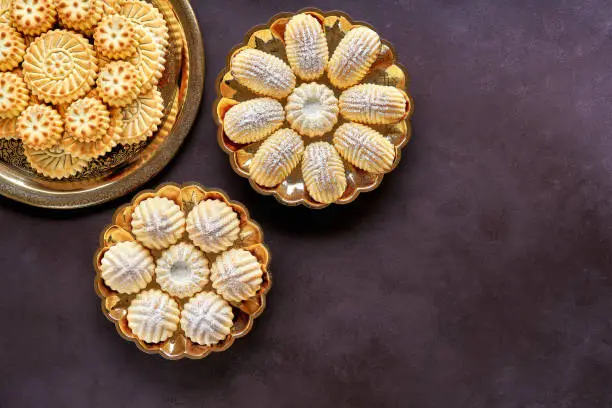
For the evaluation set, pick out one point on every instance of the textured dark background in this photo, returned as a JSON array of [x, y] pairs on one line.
[[477, 275]]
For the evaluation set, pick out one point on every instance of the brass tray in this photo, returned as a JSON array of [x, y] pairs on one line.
[[385, 71], [125, 167], [114, 305]]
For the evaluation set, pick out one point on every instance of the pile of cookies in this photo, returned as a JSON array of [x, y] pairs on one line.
[[78, 78]]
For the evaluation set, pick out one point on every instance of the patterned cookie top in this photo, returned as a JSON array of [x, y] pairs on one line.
[[81, 15], [142, 117], [115, 37], [33, 17], [118, 83], [12, 48], [149, 18], [40, 126], [54, 162], [87, 119], [13, 95]]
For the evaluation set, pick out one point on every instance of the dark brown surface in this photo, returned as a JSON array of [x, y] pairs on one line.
[[478, 275]]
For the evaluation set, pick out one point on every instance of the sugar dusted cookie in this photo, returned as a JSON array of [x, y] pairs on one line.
[[33, 17], [306, 46], [87, 119], [236, 275], [118, 83], [253, 120], [127, 267], [374, 104], [213, 226], [276, 158], [13, 95], [148, 17], [323, 172], [153, 316], [142, 117], [54, 162], [158, 222], [207, 319], [12, 48], [263, 73], [353, 57], [364, 147], [312, 109], [60, 66], [91, 150], [79, 15], [115, 37], [40, 127], [182, 270]]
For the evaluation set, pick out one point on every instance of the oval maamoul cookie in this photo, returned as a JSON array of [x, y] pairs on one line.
[[236, 275], [148, 17], [142, 117], [127, 267], [149, 61], [374, 104], [40, 127], [33, 17], [60, 66], [158, 222], [87, 119], [96, 148], [118, 83], [353, 57], [312, 109], [253, 120], [153, 316], [182, 270], [79, 15], [115, 37], [14, 95], [213, 226], [364, 147], [323, 172], [54, 162], [12, 48], [276, 158], [207, 319], [262, 73], [306, 46]]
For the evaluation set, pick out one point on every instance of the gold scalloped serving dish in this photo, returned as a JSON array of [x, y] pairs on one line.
[[114, 304], [127, 166], [270, 39]]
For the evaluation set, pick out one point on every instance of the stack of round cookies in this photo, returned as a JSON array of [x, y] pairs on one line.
[[78, 78]]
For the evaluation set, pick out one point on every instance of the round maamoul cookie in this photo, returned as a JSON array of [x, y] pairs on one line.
[[87, 119], [8, 127], [236, 275], [110, 7], [40, 127], [142, 117], [158, 222], [5, 12], [115, 37], [14, 95], [33, 17], [213, 226], [153, 316], [118, 83], [12, 48], [207, 318], [54, 162], [148, 17], [312, 109], [127, 267], [148, 60], [182, 270], [60, 66], [79, 15], [96, 148]]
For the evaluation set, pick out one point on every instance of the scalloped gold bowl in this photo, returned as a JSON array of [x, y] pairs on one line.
[[269, 38], [114, 304]]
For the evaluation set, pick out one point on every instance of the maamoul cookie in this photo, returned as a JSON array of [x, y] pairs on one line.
[[276, 158], [14, 95], [110, 7], [236, 275], [5, 12], [149, 18], [312, 109], [306, 46], [353, 57], [323, 172], [60, 66], [54, 162], [96, 148], [153, 316], [158, 222], [127, 267], [115, 37], [364, 147], [12, 48], [182, 270], [40, 127], [33, 17], [142, 117], [87, 119], [148, 59], [8, 129], [213, 226], [253, 120], [207, 318], [374, 104], [118, 83], [263, 73], [79, 15]]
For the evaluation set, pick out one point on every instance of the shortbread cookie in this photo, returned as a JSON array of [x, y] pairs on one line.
[[96, 148], [374, 104], [8, 127], [54, 162], [364, 147], [158, 222], [276, 158], [148, 17], [118, 83], [312, 109], [12, 48], [207, 319], [353, 57], [306, 46], [5, 12], [79, 15], [182, 270], [213, 226], [40, 127], [253, 120], [236, 275], [115, 37], [153, 316], [60, 66], [323, 172], [148, 59], [142, 117], [33, 17], [127, 267], [87, 119], [14, 95], [262, 73], [110, 7]]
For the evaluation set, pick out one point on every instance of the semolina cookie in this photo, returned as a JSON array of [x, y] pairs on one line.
[[110, 7], [33, 17], [127, 267], [323, 172], [54, 162], [97, 148], [148, 17], [158, 222], [87, 119], [118, 83], [14, 95], [60, 66], [81, 15], [207, 318], [5, 12], [12, 48], [312, 109], [142, 117], [148, 60], [8, 127], [153, 316], [115, 37], [40, 127]]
